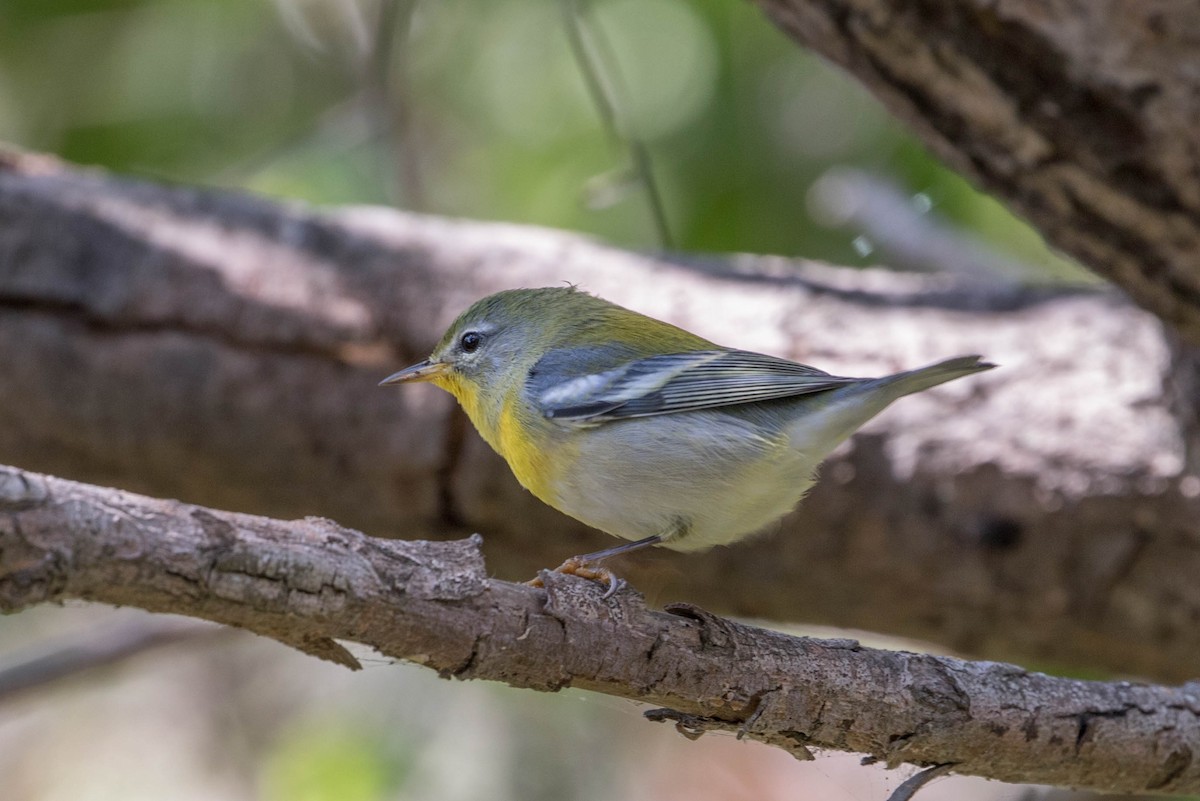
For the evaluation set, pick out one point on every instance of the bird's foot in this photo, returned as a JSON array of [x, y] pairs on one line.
[[585, 568]]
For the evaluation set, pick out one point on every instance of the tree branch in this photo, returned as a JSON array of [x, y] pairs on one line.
[[99, 649], [311, 582], [225, 350], [1081, 115]]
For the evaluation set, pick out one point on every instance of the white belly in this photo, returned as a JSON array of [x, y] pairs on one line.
[[660, 476]]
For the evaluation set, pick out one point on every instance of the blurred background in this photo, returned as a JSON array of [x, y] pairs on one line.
[[484, 110], [234, 716], [684, 124]]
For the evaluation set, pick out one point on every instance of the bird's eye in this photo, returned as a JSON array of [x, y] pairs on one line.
[[470, 341]]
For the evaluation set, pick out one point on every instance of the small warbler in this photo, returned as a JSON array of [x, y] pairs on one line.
[[642, 429]]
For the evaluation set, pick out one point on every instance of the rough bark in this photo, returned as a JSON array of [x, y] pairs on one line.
[[311, 582], [1080, 114], [225, 350]]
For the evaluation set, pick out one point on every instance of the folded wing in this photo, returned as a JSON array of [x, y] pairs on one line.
[[669, 383]]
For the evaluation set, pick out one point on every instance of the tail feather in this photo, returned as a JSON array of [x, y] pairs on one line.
[[831, 417], [923, 378]]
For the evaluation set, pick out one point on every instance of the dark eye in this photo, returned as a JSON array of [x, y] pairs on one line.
[[470, 341]]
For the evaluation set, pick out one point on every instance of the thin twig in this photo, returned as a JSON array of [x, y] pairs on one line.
[[913, 783], [104, 648], [604, 95]]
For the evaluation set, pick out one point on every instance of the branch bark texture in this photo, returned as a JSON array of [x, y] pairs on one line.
[[311, 582], [225, 350], [1080, 114]]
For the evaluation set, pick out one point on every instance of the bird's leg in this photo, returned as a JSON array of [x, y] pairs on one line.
[[588, 565], [626, 547]]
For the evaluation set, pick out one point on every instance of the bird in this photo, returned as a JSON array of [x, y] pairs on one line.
[[646, 431]]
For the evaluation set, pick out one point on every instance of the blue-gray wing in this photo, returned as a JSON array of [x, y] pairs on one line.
[[677, 382]]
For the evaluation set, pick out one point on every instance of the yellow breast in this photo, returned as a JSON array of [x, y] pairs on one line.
[[525, 440], [532, 454]]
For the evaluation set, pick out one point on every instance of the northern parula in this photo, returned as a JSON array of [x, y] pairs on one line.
[[642, 429]]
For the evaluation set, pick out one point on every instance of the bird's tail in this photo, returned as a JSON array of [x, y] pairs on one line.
[[829, 418], [923, 378]]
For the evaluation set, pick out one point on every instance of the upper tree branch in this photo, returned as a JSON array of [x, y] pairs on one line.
[[225, 350], [310, 582], [1080, 114]]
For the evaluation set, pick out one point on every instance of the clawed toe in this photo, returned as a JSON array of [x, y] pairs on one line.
[[584, 568]]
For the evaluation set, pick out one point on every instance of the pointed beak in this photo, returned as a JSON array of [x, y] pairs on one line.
[[421, 371]]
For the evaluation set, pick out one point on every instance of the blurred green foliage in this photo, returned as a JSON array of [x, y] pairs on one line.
[[419, 739], [326, 764], [472, 109]]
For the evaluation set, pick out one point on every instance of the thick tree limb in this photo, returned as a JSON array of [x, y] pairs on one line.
[[311, 582], [1080, 114], [225, 350]]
